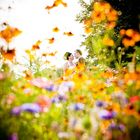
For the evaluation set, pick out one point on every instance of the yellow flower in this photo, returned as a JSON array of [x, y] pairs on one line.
[[88, 22], [101, 6], [68, 72], [88, 30], [108, 42], [56, 29]]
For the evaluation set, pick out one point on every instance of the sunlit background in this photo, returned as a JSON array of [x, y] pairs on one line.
[[37, 23]]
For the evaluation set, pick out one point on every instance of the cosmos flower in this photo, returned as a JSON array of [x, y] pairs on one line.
[[43, 83], [8, 54], [43, 101]]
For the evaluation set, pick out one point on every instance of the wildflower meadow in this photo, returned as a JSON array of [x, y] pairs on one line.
[[95, 100]]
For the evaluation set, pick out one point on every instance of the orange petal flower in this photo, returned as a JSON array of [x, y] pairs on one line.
[[136, 36], [128, 42], [68, 33], [88, 30], [98, 16], [130, 32], [101, 6], [28, 75], [51, 40], [111, 24], [56, 29], [122, 32], [9, 54], [88, 22], [44, 54], [52, 53], [9, 33], [112, 15], [36, 45], [55, 4], [108, 42]]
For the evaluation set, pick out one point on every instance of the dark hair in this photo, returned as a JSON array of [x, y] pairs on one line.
[[67, 55], [79, 51]]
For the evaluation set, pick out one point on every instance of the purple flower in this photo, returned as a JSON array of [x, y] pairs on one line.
[[121, 127], [114, 126], [31, 107], [14, 136], [16, 110], [62, 97], [100, 103], [50, 87], [77, 106], [106, 115], [55, 100]]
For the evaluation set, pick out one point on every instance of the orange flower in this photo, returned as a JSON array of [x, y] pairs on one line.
[[9, 33], [130, 32], [88, 22], [28, 75], [51, 40], [122, 32], [68, 33], [132, 37], [98, 16], [108, 42], [56, 29], [58, 2], [136, 36], [55, 4], [112, 15], [9, 54], [36, 45], [52, 53], [88, 30], [81, 99], [110, 24], [131, 76], [128, 42], [101, 6]]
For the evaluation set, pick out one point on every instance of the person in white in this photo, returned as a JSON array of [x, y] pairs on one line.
[[78, 57], [69, 64]]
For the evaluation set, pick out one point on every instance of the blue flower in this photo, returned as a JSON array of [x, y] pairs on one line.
[[106, 115], [31, 107], [100, 104], [77, 106]]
